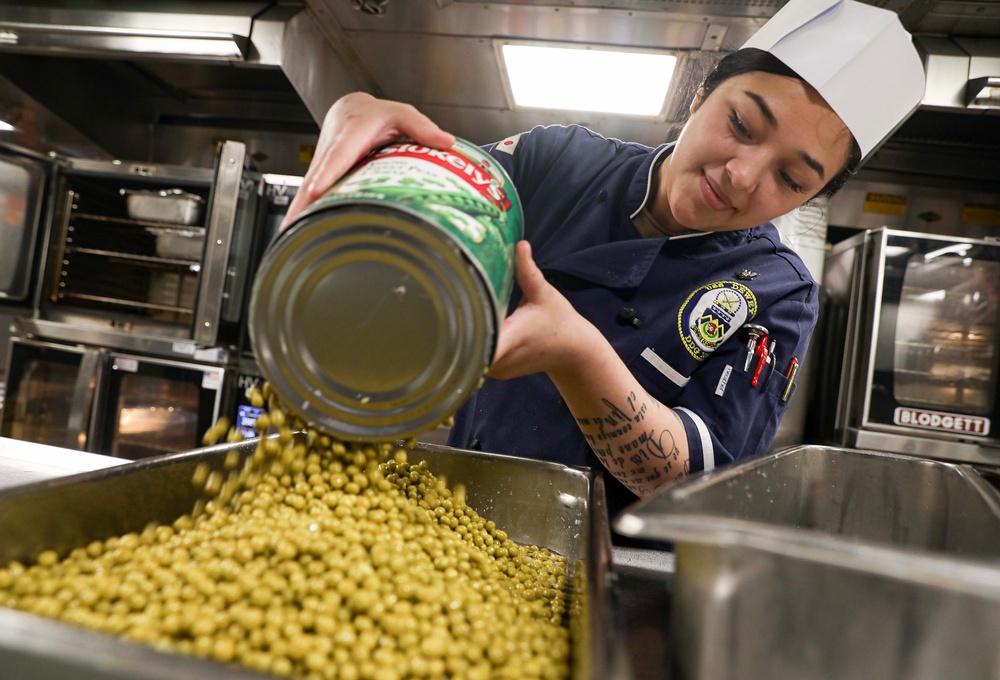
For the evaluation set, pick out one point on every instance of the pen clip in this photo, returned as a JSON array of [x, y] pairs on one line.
[[772, 359]]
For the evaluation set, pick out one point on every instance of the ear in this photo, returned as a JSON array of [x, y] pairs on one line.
[[699, 97]]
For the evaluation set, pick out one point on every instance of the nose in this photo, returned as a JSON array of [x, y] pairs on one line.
[[745, 170]]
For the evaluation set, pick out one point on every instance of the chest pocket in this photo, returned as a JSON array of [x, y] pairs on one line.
[[659, 377]]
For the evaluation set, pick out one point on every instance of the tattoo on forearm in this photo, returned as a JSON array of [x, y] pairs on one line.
[[636, 454]]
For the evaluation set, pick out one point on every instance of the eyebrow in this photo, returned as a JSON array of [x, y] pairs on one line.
[[768, 114]]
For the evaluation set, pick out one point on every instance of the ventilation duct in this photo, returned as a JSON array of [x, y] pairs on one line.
[[209, 32], [255, 66], [962, 73]]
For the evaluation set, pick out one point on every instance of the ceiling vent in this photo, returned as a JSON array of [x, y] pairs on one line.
[[962, 73], [252, 66]]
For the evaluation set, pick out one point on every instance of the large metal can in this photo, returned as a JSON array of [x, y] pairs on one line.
[[375, 314]]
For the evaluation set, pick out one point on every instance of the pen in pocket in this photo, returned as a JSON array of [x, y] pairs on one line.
[[790, 372]]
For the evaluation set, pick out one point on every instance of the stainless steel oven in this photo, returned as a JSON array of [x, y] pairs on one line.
[[51, 393], [150, 258], [910, 331], [154, 406], [24, 178], [114, 403]]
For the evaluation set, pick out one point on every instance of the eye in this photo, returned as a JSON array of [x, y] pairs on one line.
[[791, 183], [741, 129]]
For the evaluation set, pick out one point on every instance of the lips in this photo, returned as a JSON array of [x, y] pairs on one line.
[[715, 200]]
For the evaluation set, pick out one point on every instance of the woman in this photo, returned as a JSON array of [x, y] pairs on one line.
[[640, 266]]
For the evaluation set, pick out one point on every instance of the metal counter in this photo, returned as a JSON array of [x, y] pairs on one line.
[[26, 462]]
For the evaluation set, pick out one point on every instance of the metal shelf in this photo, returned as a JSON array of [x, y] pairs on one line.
[[128, 222], [127, 303], [132, 257]]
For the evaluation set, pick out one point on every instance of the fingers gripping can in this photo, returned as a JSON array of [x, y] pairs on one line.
[[375, 314]]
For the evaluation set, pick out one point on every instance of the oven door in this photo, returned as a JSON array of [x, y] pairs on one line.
[[232, 235], [23, 181], [156, 406], [277, 193], [937, 338], [51, 391]]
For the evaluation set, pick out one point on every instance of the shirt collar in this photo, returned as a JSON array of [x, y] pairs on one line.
[[641, 189], [622, 263]]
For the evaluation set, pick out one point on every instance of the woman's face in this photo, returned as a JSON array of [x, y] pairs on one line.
[[758, 146]]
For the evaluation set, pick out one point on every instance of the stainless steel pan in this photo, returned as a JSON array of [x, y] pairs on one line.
[[819, 562], [166, 205], [539, 503]]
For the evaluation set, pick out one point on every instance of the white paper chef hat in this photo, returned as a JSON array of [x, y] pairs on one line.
[[858, 57]]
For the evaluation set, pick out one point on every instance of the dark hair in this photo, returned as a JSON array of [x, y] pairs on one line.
[[752, 59]]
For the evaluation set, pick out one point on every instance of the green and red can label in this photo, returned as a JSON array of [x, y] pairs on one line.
[[462, 190]]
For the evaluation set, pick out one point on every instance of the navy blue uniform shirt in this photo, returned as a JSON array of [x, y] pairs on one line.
[[670, 307]]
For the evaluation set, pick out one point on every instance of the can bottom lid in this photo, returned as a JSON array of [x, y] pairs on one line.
[[370, 323]]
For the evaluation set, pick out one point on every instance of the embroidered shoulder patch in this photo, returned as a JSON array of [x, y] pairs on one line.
[[508, 145], [711, 312]]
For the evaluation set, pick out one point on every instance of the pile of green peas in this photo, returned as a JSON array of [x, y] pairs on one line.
[[318, 559]]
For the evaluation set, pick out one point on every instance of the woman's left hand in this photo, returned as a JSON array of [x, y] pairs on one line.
[[545, 333]]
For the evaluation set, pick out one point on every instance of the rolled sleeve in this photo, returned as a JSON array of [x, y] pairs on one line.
[[701, 448]]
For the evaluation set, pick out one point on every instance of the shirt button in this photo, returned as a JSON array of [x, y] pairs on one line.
[[627, 316], [602, 196], [475, 445]]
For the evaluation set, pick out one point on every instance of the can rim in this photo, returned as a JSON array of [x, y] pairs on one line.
[[386, 230]]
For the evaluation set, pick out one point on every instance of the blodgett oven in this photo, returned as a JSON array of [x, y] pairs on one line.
[[911, 345], [23, 180], [118, 404]]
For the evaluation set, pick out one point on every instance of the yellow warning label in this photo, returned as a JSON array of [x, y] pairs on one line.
[[978, 213], [885, 204]]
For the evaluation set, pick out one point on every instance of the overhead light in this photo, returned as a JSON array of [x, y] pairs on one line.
[[582, 78], [5, 126], [100, 40]]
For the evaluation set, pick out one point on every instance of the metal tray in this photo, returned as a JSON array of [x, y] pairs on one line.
[[179, 243], [820, 562], [545, 504], [175, 206]]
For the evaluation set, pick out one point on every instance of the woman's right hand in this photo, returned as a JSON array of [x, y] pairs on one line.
[[355, 125]]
